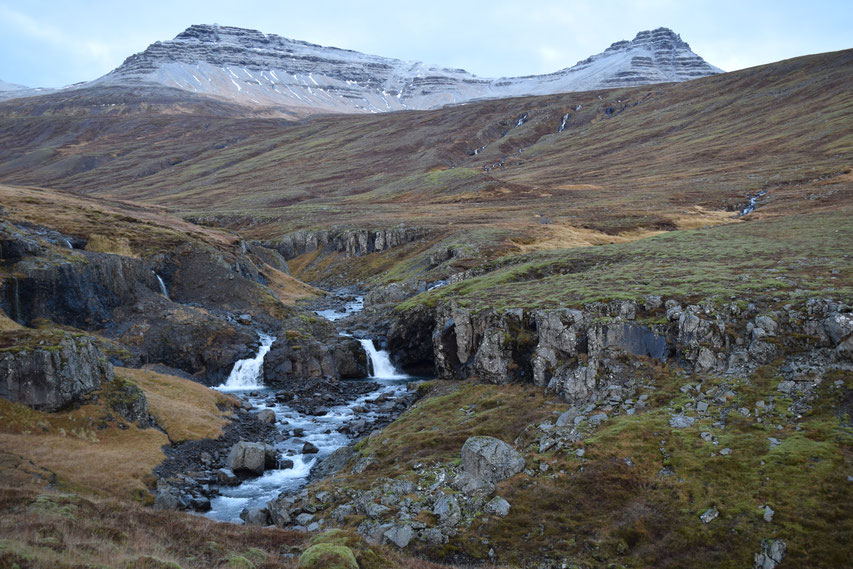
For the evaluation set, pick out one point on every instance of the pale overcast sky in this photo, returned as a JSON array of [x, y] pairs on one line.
[[51, 43]]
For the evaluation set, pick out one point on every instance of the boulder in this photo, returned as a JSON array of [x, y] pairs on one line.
[[256, 516], [309, 448], [447, 510], [128, 401], [400, 535], [771, 555], [490, 459], [247, 457], [497, 506], [266, 416]]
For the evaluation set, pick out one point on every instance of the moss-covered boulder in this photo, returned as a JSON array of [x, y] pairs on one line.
[[328, 556]]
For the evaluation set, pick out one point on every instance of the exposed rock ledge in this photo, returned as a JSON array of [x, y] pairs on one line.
[[351, 242], [577, 352]]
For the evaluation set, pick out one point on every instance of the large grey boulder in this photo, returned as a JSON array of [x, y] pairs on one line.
[[48, 371], [490, 459], [247, 457]]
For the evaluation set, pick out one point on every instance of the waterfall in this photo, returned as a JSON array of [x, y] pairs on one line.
[[163, 290], [563, 125], [380, 364], [753, 202], [247, 374], [68, 243]]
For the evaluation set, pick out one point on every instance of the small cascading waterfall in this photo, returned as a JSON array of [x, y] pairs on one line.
[[163, 290], [563, 124], [753, 202], [68, 243], [380, 363], [247, 374]]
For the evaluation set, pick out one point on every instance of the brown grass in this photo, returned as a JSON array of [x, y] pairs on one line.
[[7, 324], [102, 244], [84, 448], [185, 409], [289, 289]]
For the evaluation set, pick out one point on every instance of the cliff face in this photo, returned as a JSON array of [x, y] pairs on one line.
[[576, 353], [256, 69]]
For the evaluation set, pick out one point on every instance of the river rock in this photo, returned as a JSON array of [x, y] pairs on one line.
[[266, 416], [247, 457], [309, 448], [256, 516], [490, 459]]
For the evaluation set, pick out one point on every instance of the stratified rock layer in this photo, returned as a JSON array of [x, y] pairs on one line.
[[255, 69]]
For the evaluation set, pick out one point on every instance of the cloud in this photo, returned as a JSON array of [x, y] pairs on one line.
[[98, 53]]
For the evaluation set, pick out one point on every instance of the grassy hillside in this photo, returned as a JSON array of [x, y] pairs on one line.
[[630, 159]]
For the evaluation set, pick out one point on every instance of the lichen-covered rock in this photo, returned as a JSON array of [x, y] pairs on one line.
[[128, 401], [50, 370], [490, 459], [771, 555]]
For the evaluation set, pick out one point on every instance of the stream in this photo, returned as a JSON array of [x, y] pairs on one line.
[[326, 432]]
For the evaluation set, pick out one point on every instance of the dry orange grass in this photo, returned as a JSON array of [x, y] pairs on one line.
[[7, 323], [88, 452], [83, 449], [289, 289], [185, 409]]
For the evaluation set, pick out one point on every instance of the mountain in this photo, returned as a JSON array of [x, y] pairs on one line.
[[15, 91], [253, 68], [5, 86]]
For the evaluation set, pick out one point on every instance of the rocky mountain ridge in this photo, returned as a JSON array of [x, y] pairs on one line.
[[256, 69]]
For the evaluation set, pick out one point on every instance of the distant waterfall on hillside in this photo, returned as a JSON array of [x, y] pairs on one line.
[[163, 290], [247, 374], [380, 363]]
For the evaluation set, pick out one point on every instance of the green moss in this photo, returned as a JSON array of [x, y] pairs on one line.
[[328, 556]]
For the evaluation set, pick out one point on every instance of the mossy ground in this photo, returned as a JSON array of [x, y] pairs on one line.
[[635, 496]]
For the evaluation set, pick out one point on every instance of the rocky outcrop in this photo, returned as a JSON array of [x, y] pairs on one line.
[[185, 322], [350, 242], [129, 402], [577, 352], [50, 370], [307, 358]]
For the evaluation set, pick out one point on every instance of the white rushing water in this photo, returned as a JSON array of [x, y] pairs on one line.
[[351, 307], [380, 362], [247, 373], [326, 431], [163, 290]]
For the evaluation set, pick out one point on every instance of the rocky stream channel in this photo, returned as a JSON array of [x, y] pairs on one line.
[[282, 439]]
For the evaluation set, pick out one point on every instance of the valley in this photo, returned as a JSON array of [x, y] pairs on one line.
[[615, 327]]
